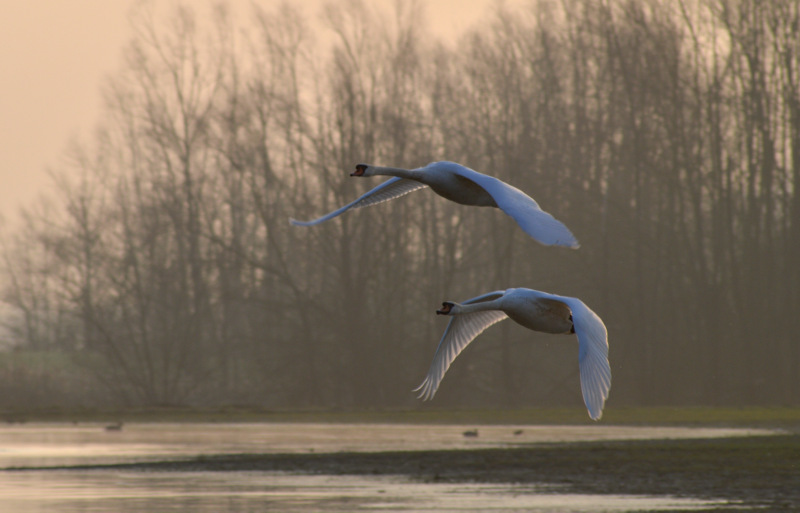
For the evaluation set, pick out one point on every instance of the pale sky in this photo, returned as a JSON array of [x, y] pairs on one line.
[[54, 58]]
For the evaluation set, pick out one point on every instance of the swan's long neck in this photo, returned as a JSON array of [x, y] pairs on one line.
[[459, 309], [412, 174]]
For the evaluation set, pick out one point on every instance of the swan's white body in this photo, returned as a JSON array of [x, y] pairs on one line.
[[465, 186], [535, 310]]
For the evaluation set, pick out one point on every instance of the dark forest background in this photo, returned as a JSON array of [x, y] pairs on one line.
[[665, 134]]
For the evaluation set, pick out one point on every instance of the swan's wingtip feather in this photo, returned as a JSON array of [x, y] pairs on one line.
[[425, 392], [568, 241], [573, 244]]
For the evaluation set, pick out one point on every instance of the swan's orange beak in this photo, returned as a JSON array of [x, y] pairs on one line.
[[445, 309], [359, 170]]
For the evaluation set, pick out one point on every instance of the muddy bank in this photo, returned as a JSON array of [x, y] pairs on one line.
[[759, 471]]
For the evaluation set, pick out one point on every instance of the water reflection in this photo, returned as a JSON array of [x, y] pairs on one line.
[[200, 492]]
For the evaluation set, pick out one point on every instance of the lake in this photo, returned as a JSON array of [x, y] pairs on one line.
[[125, 490]]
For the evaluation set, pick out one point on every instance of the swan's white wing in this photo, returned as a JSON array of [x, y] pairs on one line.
[[592, 355], [388, 190], [461, 330], [537, 223]]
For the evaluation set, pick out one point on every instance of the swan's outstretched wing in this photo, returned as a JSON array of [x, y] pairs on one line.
[[388, 190], [592, 356], [459, 333], [537, 223]]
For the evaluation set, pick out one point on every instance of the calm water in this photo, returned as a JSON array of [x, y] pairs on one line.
[[123, 491], [200, 492]]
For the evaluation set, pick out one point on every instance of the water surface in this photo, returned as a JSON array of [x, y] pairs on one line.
[[52, 444], [124, 490], [213, 492]]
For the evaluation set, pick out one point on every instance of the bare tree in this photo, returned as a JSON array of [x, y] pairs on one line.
[[665, 134]]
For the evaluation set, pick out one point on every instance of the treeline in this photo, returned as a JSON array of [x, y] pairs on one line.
[[665, 134]]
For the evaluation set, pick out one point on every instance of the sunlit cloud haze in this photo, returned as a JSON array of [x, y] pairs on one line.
[[56, 55]]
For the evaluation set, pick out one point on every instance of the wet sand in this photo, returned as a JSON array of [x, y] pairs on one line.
[[755, 472]]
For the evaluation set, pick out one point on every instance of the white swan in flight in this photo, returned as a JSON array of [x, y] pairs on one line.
[[535, 310], [465, 186]]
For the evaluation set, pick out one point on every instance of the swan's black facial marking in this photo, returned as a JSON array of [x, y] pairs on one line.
[[360, 170], [446, 307]]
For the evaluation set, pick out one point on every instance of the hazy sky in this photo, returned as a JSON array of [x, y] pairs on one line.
[[55, 55]]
